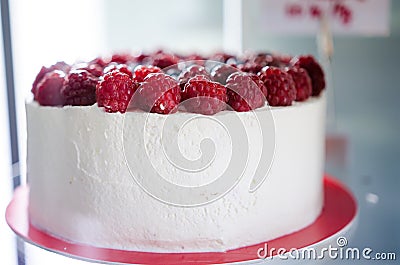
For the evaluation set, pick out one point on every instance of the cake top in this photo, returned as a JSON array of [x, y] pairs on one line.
[[164, 83]]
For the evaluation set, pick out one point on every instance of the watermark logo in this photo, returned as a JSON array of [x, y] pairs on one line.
[[341, 241], [340, 251], [187, 159]]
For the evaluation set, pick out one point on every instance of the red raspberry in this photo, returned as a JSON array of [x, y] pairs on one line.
[[48, 90], [115, 91], [280, 86], [93, 68], [163, 60], [140, 58], [190, 72], [244, 93], [250, 67], [158, 93], [62, 66], [122, 58], [222, 57], [314, 70], [194, 57], [204, 96], [79, 88], [283, 59], [119, 67], [221, 72], [265, 59], [260, 84], [302, 82], [142, 71], [254, 62], [102, 61]]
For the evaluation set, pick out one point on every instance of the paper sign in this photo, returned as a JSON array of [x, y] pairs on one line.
[[352, 17]]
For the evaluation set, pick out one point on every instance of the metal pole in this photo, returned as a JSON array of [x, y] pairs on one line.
[[12, 115], [8, 61]]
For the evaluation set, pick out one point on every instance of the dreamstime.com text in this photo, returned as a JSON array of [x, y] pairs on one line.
[[339, 252]]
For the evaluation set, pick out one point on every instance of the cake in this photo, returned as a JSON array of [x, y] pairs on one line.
[[224, 156]]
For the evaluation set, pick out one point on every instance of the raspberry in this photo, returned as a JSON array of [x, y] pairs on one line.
[[102, 61], [62, 66], [163, 60], [142, 71], [79, 88], [265, 59], [119, 67], [190, 72], [254, 62], [158, 93], [94, 69], [221, 57], [204, 96], [250, 67], [122, 58], [280, 86], [115, 91], [221, 72], [283, 59], [140, 58], [48, 90], [314, 70], [193, 57], [244, 93], [260, 84], [302, 82]]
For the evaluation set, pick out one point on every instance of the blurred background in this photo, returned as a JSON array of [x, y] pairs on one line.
[[363, 143]]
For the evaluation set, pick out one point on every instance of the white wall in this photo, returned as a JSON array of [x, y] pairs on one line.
[[43, 32], [178, 25]]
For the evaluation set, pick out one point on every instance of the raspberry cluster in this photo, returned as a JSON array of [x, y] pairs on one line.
[[162, 82]]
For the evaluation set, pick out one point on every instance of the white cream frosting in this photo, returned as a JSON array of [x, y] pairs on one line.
[[81, 188]]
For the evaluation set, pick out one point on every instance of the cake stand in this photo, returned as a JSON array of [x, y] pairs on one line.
[[336, 220]]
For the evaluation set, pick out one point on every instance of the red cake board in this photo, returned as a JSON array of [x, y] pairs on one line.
[[339, 211]]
